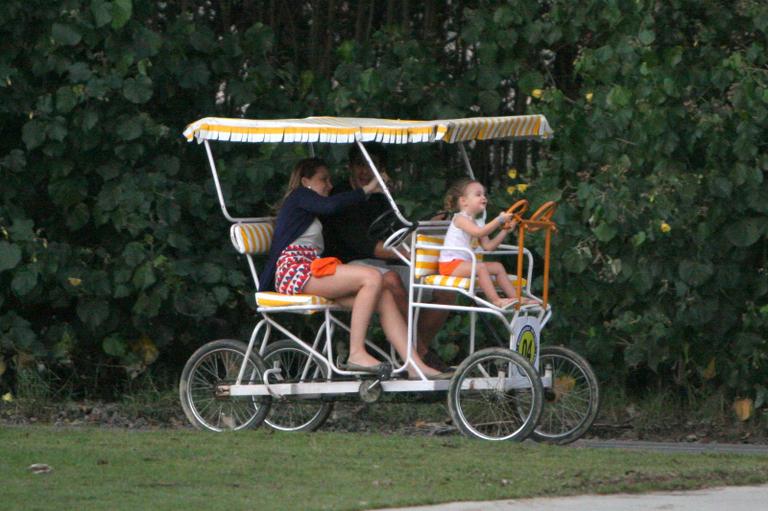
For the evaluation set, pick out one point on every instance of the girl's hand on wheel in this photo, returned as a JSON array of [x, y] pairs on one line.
[[509, 226], [504, 218], [515, 210]]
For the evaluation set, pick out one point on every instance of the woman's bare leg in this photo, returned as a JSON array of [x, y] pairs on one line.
[[394, 285], [396, 330], [430, 320], [365, 285]]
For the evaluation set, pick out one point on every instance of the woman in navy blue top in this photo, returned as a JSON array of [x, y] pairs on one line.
[[298, 241]]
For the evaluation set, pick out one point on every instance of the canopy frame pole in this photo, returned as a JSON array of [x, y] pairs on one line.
[[470, 172], [382, 184], [464, 157], [220, 193]]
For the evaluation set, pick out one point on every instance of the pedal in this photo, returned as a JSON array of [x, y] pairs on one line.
[[385, 372], [265, 379]]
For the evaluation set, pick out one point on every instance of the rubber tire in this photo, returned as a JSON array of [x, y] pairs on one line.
[[325, 407], [454, 405], [193, 364], [585, 422]]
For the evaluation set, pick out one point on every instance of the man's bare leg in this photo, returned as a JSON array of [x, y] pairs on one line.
[[432, 320]]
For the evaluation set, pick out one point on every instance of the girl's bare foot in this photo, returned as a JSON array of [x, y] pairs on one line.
[[503, 303]]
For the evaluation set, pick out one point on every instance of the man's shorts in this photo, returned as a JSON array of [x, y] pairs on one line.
[[403, 271]]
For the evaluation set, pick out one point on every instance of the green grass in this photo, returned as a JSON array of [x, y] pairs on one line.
[[184, 469]]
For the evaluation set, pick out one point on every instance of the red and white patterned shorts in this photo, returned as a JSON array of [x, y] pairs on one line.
[[293, 271]]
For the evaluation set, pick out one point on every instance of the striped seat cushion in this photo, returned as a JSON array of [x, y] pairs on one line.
[[252, 238], [462, 282], [427, 258], [272, 299]]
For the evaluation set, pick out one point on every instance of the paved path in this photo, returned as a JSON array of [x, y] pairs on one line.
[[711, 499]]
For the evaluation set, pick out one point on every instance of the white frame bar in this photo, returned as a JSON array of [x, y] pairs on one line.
[[383, 185], [325, 331], [309, 390], [465, 157], [221, 194]]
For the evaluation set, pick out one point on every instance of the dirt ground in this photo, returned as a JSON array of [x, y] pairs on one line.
[[413, 418]]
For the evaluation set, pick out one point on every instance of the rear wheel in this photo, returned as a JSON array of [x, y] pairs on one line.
[[495, 395], [296, 365], [572, 402], [214, 364]]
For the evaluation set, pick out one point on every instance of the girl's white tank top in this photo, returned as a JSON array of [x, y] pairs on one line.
[[455, 237]]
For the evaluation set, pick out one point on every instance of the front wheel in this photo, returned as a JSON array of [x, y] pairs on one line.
[[495, 395], [572, 401], [214, 364]]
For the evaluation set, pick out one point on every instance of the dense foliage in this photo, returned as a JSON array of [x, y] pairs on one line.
[[113, 249]]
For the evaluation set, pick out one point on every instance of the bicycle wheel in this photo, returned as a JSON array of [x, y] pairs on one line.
[[215, 363], [571, 404], [495, 395], [296, 364]]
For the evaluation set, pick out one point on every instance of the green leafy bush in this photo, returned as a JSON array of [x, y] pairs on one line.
[[113, 250]]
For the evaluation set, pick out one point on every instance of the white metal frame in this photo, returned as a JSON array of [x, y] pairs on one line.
[[322, 346], [507, 316]]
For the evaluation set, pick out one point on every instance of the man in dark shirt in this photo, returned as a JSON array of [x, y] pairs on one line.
[[346, 237]]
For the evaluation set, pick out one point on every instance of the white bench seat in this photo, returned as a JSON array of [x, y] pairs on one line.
[[253, 238]]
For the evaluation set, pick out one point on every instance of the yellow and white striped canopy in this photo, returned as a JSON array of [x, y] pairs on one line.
[[345, 130]]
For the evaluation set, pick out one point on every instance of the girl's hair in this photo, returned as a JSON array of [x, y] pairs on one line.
[[455, 192], [304, 168]]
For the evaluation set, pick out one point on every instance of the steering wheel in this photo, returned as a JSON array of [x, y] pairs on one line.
[[392, 231], [516, 209], [543, 214], [384, 225], [398, 237]]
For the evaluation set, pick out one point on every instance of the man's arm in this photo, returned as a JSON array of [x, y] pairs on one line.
[[382, 253]]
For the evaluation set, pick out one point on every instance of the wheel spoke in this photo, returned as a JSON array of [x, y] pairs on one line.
[[219, 365], [572, 403], [491, 409], [296, 365], [210, 368]]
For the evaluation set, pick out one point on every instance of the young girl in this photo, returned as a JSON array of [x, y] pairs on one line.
[[298, 241], [467, 196]]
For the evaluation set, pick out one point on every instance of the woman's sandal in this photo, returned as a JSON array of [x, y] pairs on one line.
[[378, 368]]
